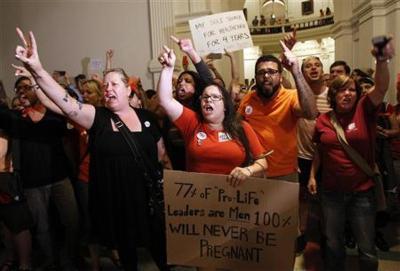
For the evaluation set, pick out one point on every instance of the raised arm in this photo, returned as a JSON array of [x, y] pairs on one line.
[[186, 46], [171, 106], [83, 114], [234, 67], [308, 107], [109, 56], [382, 77]]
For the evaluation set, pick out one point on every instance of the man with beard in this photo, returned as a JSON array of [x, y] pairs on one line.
[[273, 112], [43, 169]]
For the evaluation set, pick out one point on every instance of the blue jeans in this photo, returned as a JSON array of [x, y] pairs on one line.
[[62, 194], [359, 209]]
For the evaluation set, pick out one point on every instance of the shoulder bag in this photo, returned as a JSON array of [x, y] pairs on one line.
[[151, 174], [360, 162]]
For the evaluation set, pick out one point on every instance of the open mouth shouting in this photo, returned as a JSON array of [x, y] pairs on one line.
[[109, 97], [208, 109]]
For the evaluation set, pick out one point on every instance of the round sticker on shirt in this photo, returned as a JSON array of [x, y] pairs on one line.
[[248, 110], [201, 135], [147, 124]]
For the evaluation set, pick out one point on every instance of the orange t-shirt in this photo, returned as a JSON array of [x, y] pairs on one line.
[[274, 121], [212, 151]]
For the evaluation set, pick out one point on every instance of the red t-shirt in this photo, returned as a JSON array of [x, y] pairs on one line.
[[339, 172], [212, 151]]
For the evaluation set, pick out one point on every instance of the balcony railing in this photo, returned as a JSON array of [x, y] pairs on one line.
[[289, 26]]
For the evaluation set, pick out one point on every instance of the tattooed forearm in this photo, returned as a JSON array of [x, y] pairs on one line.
[[306, 97]]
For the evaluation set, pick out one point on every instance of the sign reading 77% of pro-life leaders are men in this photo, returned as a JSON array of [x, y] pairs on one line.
[[212, 224]]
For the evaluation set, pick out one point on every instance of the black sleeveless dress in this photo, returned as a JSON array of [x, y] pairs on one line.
[[118, 195]]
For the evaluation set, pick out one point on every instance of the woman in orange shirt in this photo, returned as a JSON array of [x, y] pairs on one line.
[[215, 140]]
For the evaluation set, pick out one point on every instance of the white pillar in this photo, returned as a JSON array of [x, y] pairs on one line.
[[162, 26]]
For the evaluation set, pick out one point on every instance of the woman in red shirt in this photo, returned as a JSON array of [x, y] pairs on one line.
[[346, 190]]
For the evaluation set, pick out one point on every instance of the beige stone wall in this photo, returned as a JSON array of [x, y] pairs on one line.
[[69, 31]]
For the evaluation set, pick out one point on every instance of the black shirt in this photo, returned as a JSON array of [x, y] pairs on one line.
[[42, 156]]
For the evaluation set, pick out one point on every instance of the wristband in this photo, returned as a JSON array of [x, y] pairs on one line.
[[248, 169], [258, 163]]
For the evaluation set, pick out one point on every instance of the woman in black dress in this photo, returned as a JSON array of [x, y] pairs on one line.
[[118, 194]]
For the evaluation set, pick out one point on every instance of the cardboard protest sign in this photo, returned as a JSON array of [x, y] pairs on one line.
[[214, 33], [212, 224]]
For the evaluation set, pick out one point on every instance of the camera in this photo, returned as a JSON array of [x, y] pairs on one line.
[[380, 42]]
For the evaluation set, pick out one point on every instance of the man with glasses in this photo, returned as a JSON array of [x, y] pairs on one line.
[[44, 169], [273, 112]]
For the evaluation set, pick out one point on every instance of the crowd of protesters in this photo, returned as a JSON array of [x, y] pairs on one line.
[[82, 152]]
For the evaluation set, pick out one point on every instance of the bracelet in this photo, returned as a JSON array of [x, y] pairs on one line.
[[387, 60], [258, 163], [248, 169], [35, 86]]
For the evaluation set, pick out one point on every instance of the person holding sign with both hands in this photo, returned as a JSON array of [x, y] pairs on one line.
[[215, 140]]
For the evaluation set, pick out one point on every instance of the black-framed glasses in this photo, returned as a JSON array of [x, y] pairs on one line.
[[23, 88], [270, 72], [213, 97]]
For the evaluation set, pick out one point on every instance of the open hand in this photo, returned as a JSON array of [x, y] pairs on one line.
[[290, 39], [289, 60]]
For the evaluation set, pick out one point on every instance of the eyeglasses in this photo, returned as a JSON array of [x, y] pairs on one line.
[[270, 72], [213, 97], [24, 88]]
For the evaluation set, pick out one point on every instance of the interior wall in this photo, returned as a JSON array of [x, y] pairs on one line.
[[69, 31], [355, 28]]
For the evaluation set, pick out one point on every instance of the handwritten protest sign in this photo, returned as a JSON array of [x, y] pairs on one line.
[[213, 33], [95, 65], [212, 224]]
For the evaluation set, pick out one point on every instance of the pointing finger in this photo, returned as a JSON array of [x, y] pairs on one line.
[[175, 39], [166, 49]]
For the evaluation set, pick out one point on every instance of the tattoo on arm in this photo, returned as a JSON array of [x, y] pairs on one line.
[[66, 97], [79, 104], [72, 114], [306, 97]]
